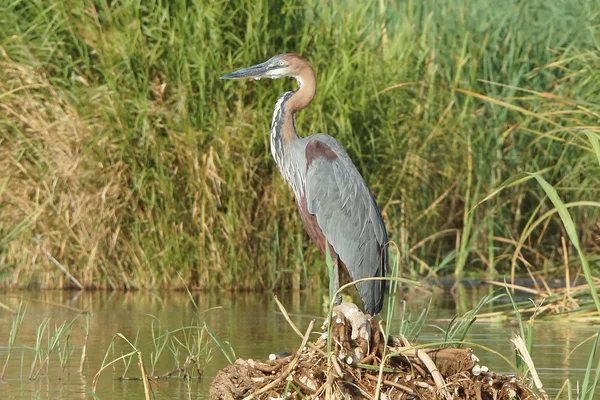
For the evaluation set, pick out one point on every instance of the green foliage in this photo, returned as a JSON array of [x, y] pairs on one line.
[[587, 390], [127, 159], [12, 336], [459, 326], [411, 328]]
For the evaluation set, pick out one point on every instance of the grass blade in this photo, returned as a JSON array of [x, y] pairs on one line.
[[593, 138], [569, 225], [588, 372]]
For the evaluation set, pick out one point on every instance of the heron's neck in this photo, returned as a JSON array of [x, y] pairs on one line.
[[283, 130], [283, 127]]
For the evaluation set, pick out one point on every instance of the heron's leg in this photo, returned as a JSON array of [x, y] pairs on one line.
[[336, 282]]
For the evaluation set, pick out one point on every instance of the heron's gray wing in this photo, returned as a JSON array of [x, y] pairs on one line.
[[348, 215]]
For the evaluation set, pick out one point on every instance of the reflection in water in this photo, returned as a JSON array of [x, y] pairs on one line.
[[250, 322]]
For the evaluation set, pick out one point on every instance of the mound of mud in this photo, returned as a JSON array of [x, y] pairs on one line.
[[353, 369]]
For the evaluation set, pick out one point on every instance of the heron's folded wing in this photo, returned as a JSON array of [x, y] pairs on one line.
[[348, 216]]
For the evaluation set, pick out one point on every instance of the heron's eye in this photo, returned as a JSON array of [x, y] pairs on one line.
[[280, 63]]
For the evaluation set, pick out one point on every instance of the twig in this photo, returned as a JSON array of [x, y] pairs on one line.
[[406, 389], [63, 269], [302, 385], [144, 376], [383, 359], [186, 365], [435, 374], [522, 349], [95, 380], [521, 288], [7, 308], [268, 368], [83, 352], [169, 373], [319, 391], [287, 317], [567, 277], [290, 367], [293, 326]]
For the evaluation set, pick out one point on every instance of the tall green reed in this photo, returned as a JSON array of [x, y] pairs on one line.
[[12, 335]]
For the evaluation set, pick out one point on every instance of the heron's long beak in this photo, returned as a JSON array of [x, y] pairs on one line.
[[256, 71]]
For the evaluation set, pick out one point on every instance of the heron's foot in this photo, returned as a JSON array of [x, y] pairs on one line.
[[348, 320], [358, 320]]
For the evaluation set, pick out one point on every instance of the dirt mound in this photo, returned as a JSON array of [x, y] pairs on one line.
[[354, 370]]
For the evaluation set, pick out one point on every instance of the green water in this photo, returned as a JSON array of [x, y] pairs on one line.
[[249, 321]]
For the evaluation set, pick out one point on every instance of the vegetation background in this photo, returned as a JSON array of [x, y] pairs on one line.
[[126, 162]]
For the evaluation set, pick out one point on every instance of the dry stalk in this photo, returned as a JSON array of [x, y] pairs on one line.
[[393, 384], [144, 376], [518, 287], [62, 268], [293, 326], [83, 353], [97, 376], [380, 374], [567, 277], [522, 349], [290, 368], [7, 308], [435, 374], [287, 317]]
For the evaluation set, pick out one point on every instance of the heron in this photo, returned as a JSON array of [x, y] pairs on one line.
[[336, 206]]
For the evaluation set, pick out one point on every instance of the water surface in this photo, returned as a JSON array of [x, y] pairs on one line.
[[250, 322]]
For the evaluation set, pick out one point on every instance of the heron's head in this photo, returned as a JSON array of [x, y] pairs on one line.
[[275, 67]]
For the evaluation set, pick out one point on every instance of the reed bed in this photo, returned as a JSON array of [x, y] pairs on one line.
[[124, 159]]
